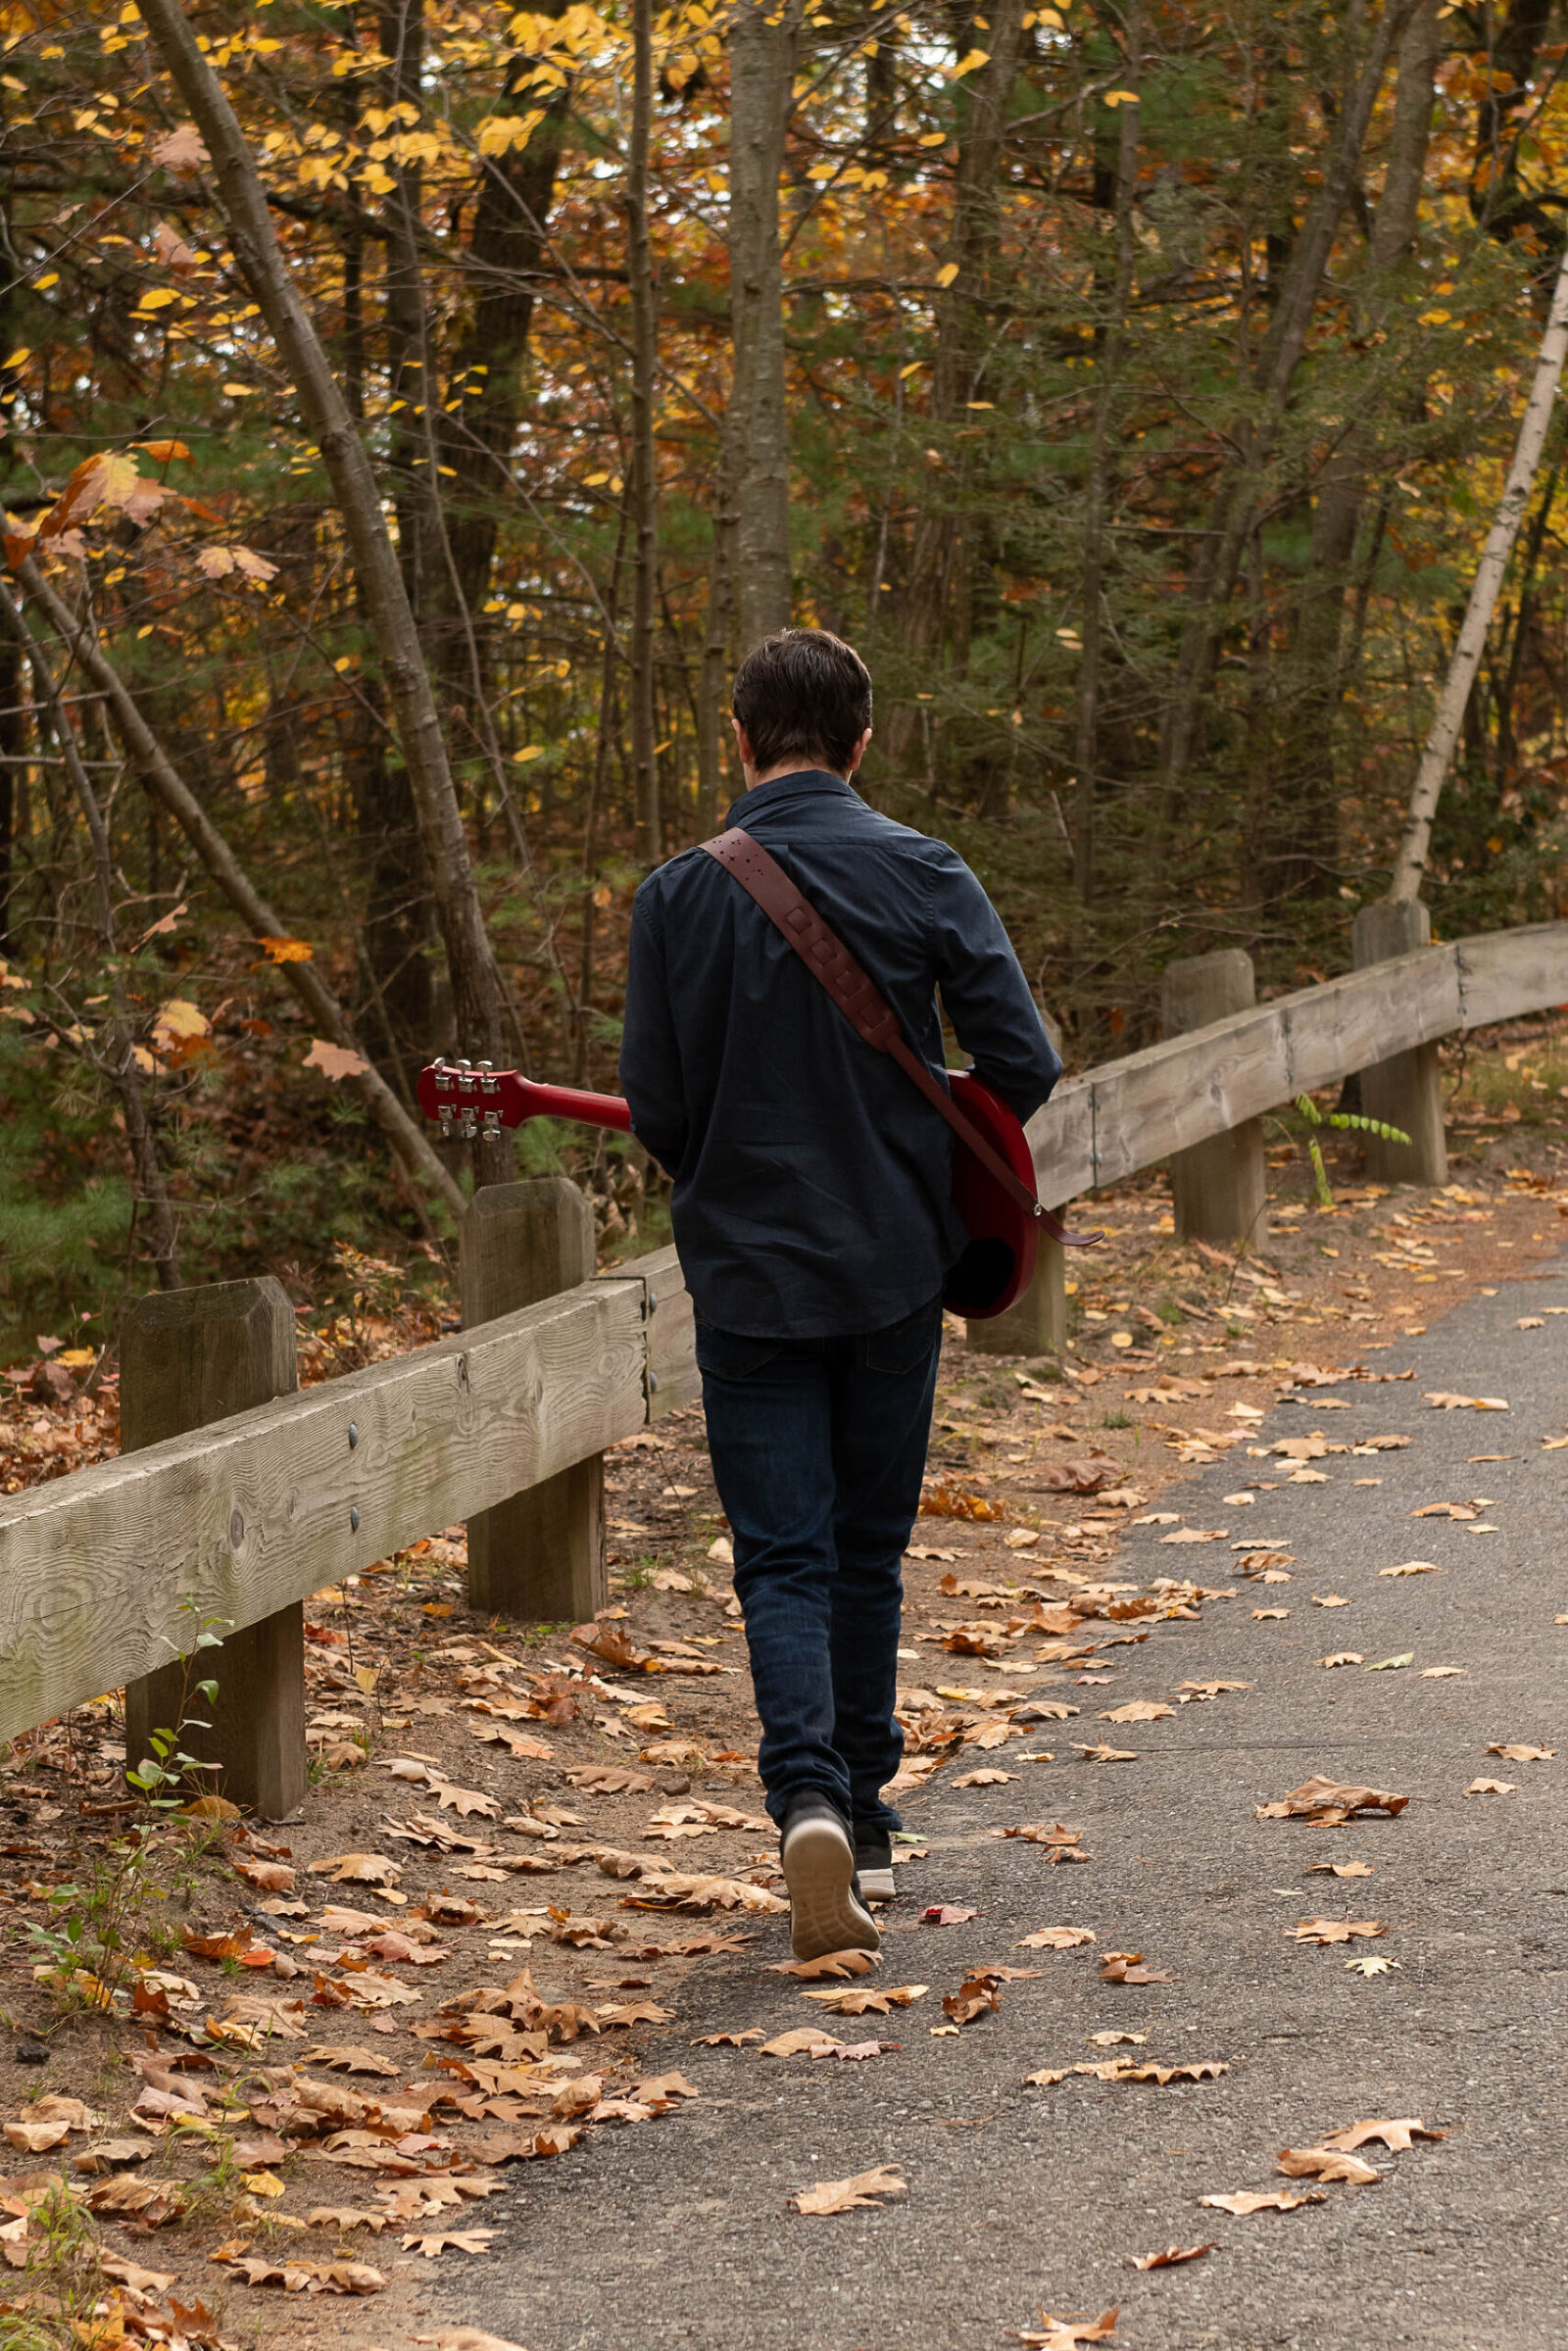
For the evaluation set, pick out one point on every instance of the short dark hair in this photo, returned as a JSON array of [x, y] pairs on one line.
[[802, 694]]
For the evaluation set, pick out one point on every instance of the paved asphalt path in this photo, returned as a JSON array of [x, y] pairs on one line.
[[678, 2232]]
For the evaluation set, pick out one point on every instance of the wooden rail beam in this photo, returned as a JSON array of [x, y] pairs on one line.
[[255, 1511]]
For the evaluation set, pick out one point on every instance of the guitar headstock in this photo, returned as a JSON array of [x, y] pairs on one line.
[[471, 1099]]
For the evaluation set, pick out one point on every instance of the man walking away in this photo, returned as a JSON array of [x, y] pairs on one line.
[[813, 1213]]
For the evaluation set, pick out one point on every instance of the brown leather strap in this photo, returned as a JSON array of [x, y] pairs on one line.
[[864, 1005]]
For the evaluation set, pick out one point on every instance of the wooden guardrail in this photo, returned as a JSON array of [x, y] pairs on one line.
[[241, 1518]]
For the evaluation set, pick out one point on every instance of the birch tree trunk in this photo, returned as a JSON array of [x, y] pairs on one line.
[[1411, 864], [475, 982], [644, 464], [763, 37]]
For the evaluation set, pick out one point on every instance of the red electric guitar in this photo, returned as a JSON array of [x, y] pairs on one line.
[[471, 1099]]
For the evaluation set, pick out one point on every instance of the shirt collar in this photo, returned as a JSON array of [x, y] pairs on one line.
[[806, 783]]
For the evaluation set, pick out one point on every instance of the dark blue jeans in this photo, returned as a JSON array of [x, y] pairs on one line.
[[819, 1446]]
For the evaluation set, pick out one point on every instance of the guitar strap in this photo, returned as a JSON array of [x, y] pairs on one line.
[[866, 1007]]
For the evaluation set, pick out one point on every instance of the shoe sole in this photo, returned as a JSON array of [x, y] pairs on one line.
[[876, 1884], [825, 1914]]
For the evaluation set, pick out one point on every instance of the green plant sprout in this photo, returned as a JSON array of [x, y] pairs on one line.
[[1350, 1119], [100, 1932]]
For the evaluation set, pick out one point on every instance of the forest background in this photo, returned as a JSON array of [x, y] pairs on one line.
[[410, 412]]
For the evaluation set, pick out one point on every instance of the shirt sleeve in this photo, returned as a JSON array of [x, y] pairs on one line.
[[985, 994], [650, 1052]]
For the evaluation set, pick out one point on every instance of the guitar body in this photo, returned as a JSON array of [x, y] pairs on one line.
[[998, 1263], [996, 1268]]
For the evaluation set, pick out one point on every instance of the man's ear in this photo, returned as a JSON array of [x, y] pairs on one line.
[[857, 754], [743, 744]]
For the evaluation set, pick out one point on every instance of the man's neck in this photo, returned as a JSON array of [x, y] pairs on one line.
[[775, 776]]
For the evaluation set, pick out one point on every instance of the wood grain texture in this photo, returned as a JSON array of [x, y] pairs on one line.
[[254, 1512], [1503, 973]]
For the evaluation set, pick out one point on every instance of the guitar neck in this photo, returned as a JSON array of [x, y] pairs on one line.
[[471, 1099]]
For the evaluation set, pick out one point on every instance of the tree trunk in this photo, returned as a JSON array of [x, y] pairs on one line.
[[475, 982], [1107, 362], [164, 784], [644, 457], [763, 37], [1409, 865], [962, 317], [1234, 509], [1293, 835], [477, 434]]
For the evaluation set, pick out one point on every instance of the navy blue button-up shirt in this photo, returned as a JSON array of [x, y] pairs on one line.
[[812, 1182]]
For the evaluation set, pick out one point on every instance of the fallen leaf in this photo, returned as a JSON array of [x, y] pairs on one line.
[[1340, 1869], [1328, 1802], [830, 1963], [1492, 1788], [946, 1914], [465, 1800], [984, 1778], [1061, 2335], [799, 2041], [467, 2338], [1331, 1599], [727, 2040], [1126, 1967], [1397, 2136], [1327, 2163], [1197, 1534], [1137, 1710], [1335, 1931], [511, 2147], [1055, 1938], [1106, 1754], [1343, 1657], [346, 2057], [454, 2240], [849, 2195], [1373, 1964], [1517, 1751], [1392, 1665], [363, 1869], [1172, 2255], [1276, 2199], [1412, 1567], [877, 2000], [1444, 1403]]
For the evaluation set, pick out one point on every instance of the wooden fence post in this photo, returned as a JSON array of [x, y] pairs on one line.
[[1218, 1186], [1038, 1324], [542, 1553], [1407, 1090], [187, 1357]]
